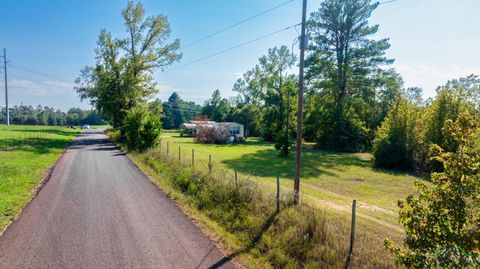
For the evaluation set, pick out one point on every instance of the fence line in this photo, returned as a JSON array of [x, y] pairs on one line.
[[11, 142], [278, 196]]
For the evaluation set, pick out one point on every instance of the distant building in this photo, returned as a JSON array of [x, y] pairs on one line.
[[231, 129]]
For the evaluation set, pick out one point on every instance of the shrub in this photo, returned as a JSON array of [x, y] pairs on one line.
[[442, 224], [284, 144], [142, 128], [209, 135]]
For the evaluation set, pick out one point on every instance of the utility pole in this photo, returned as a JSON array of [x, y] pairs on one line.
[[6, 84], [301, 85]]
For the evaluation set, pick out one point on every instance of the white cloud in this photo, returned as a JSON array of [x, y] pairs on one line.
[[429, 77], [43, 88]]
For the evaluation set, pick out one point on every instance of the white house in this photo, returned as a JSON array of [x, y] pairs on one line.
[[232, 128]]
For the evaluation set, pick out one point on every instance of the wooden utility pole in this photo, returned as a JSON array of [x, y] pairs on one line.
[[301, 85], [6, 84]]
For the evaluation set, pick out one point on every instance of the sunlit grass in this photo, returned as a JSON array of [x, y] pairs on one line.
[[328, 178], [25, 154]]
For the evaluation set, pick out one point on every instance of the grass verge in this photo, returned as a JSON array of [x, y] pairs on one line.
[[242, 216], [26, 152]]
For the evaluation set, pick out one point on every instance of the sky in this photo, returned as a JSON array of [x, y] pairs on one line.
[[49, 42]]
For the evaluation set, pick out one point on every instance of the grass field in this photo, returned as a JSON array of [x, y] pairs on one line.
[[329, 180], [25, 154]]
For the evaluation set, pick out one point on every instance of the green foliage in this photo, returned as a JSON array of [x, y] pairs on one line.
[[443, 223], [216, 108], [270, 90], [396, 144], [284, 142], [294, 237], [122, 77], [29, 115], [142, 128], [343, 70], [177, 111]]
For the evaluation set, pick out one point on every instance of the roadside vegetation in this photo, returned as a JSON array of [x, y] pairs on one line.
[[26, 152], [366, 135], [242, 215]]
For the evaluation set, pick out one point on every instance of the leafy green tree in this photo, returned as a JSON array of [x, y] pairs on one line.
[[271, 89], [442, 224], [453, 98], [177, 111], [122, 77], [142, 128], [216, 108], [342, 67], [395, 145]]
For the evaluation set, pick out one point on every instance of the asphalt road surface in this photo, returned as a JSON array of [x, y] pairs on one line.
[[99, 211]]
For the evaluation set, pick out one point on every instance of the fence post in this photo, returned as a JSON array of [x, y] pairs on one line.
[[179, 151], [168, 147], [210, 163], [236, 179], [352, 234], [193, 158], [278, 193]]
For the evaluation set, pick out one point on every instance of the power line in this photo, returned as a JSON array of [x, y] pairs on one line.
[[236, 24], [232, 48], [386, 2], [37, 73], [39, 84]]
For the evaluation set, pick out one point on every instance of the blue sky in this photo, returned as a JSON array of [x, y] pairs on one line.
[[48, 42]]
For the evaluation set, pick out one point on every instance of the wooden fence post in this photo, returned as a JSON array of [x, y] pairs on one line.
[[278, 193], [236, 179], [179, 153], [193, 158], [210, 163], [168, 147], [352, 235]]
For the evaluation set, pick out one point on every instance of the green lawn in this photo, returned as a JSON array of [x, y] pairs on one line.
[[26, 152], [330, 180]]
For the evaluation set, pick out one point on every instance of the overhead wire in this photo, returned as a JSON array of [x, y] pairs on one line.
[[231, 48], [237, 24]]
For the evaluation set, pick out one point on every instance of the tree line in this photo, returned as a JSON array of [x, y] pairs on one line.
[[44, 115]]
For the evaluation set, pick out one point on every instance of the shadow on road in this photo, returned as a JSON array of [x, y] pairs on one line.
[[270, 220]]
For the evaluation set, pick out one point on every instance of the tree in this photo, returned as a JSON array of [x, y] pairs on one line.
[[142, 128], [122, 77], [341, 68], [398, 135], [271, 89], [442, 224], [216, 108], [177, 111]]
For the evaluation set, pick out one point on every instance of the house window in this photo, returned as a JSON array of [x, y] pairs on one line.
[[234, 130]]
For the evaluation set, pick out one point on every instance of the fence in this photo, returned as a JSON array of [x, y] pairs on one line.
[[12, 142], [198, 159]]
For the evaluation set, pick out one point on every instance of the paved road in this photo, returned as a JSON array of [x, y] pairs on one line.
[[99, 211]]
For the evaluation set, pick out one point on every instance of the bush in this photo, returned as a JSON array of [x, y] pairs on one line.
[[142, 128], [209, 135], [442, 224]]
